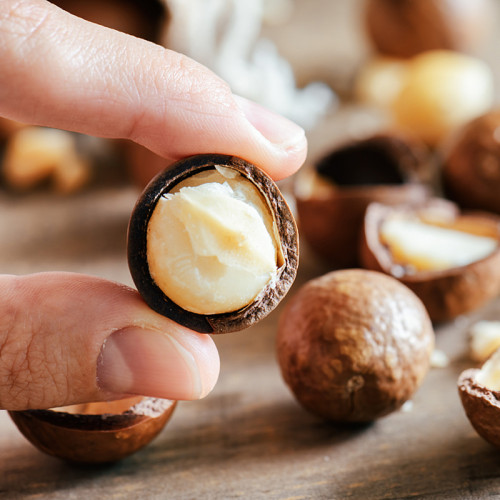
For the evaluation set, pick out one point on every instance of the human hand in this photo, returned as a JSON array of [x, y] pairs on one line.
[[67, 338]]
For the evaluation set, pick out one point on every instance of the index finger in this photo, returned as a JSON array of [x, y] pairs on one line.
[[61, 71]]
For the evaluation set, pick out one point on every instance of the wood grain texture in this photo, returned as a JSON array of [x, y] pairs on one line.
[[249, 439]]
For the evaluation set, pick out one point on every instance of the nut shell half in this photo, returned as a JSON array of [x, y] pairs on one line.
[[354, 345], [286, 229], [446, 293], [383, 168], [481, 405], [95, 433]]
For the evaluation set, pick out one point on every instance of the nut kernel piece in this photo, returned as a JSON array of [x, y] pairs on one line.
[[489, 374], [484, 339], [429, 247], [209, 246]]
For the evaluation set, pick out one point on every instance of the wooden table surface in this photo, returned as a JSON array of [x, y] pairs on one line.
[[249, 438]]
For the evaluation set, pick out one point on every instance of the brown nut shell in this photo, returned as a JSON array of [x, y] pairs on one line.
[[446, 293], [405, 28], [286, 230], [481, 405], [471, 168], [382, 168], [96, 432], [354, 345]]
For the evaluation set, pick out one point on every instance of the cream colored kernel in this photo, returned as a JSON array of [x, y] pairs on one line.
[[212, 243]]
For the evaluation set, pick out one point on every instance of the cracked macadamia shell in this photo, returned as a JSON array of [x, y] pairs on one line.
[[354, 345], [332, 195], [481, 405], [95, 432], [212, 244], [447, 292]]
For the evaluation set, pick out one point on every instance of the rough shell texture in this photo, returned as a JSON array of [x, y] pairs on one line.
[[481, 405], [471, 169], [447, 293], [94, 438], [331, 222], [272, 294], [354, 345], [404, 28]]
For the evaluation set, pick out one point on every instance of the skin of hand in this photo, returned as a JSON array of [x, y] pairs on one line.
[[68, 338]]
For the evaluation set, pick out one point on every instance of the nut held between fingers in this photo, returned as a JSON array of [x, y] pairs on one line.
[[212, 244]]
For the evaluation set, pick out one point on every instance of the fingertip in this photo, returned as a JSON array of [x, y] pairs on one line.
[[208, 361], [283, 143]]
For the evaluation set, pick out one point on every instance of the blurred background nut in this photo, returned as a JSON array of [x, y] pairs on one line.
[[442, 90], [380, 80], [484, 339], [354, 345], [471, 164], [36, 154], [404, 28]]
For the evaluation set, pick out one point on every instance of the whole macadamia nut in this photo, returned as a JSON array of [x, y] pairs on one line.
[[471, 167], [354, 345], [405, 28]]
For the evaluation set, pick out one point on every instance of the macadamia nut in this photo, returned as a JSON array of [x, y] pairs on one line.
[[484, 339]]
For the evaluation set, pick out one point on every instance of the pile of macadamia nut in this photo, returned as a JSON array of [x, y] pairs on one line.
[[419, 199], [416, 203]]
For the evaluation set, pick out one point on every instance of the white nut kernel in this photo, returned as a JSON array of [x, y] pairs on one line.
[[484, 339], [212, 243]]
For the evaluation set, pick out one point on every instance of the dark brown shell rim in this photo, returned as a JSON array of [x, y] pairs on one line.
[[269, 297], [145, 409]]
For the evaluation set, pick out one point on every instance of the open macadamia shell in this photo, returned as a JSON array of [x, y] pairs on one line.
[[333, 194], [447, 292], [95, 432], [481, 405], [471, 166], [354, 345], [284, 229]]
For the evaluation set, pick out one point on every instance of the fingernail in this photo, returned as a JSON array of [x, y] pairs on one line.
[[148, 363], [277, 129]]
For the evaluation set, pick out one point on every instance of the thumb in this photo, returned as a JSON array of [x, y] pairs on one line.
[[61, 71], [68, 338]]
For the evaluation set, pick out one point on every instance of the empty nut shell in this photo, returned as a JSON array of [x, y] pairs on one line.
[[96, 432], [184, 300], [332, 196]]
